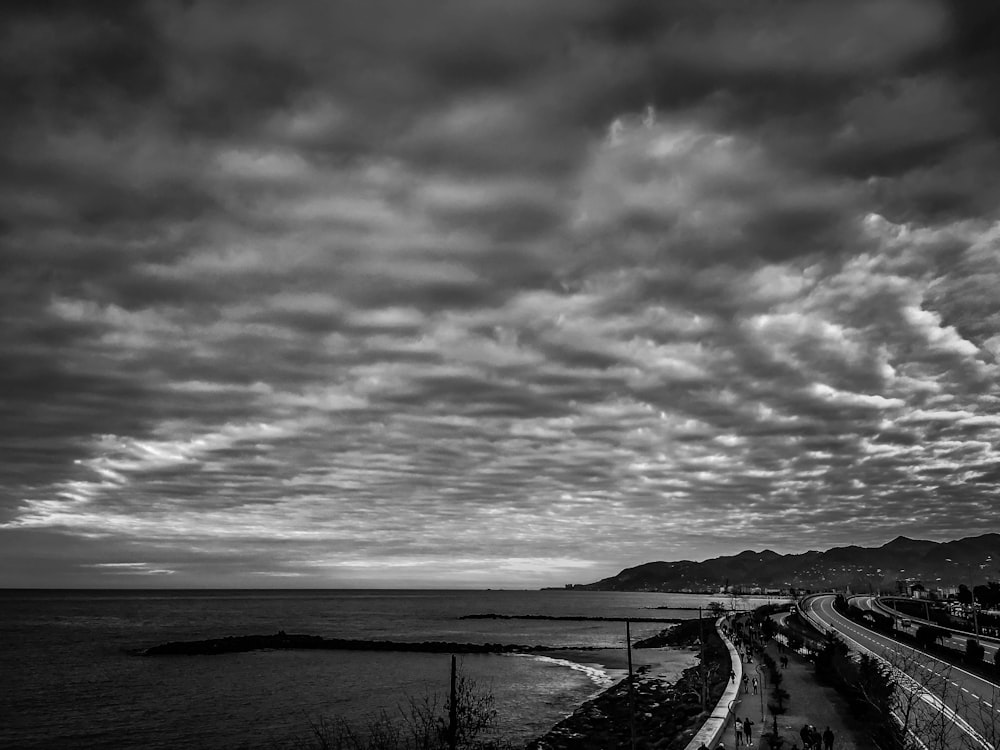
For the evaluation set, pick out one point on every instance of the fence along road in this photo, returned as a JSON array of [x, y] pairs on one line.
[[951, 709], [957, 638]]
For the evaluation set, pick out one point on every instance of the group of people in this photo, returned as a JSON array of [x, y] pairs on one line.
[[744, 734], [744, 731], [813, 740], [746, 682]]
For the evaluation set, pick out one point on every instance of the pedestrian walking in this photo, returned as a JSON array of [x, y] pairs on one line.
[[806, 736], [739, 732], [828, 739], [755, 686], [732, 675], [746, 684], [748, 731]]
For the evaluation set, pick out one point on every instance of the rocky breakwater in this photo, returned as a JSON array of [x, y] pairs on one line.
[[282, 640], [666, 715]]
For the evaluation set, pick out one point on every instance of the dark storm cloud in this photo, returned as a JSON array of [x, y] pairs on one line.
[[313, 294]]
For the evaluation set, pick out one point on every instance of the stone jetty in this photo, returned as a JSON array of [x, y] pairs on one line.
[[282, 640]]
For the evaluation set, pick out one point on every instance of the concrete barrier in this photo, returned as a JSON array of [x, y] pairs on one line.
[[714, 726]]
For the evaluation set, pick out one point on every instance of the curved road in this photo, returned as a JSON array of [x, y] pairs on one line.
[[956, 641], [950, 709]]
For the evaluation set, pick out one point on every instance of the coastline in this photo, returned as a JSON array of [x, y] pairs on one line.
[[667, 709], [662, 663]]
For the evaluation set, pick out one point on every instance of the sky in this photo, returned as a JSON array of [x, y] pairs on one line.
[[491, 293]]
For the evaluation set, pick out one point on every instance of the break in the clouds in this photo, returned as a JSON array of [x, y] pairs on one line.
[[491, 293]]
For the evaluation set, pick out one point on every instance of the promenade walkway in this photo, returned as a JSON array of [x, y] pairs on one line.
[[809, 703]]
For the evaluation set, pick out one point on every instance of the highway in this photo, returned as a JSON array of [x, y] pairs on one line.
[[943, 706], [957, 641]]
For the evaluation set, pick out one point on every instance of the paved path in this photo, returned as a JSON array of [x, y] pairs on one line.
[[810, 703]]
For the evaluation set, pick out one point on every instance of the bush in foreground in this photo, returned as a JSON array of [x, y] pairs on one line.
[[418, 725]]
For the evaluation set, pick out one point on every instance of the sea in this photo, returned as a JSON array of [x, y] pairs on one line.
[[71, 677]]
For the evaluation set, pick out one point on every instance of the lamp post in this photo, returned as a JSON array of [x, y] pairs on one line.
[[631, 689]]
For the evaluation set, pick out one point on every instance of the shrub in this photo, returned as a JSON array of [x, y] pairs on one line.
[[419, 725], [928, 635], [974, 651]]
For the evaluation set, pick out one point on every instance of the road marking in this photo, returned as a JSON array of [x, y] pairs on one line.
[[905, 681]]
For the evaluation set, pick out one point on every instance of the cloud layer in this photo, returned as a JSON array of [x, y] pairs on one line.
[[491, 294]]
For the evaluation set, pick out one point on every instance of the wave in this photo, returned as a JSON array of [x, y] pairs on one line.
[[599, 677]]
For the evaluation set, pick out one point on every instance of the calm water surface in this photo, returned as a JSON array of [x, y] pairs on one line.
[[69, 681]]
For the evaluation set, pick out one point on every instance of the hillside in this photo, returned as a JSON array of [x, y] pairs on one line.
[[969, 560]]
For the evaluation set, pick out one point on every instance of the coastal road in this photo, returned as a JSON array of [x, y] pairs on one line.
[[949, 708], [956, 640]]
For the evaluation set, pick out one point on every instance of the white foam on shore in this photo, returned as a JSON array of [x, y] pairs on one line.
[[598, 676]]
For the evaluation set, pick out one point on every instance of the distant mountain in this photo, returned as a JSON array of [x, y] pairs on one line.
[[972, 560]]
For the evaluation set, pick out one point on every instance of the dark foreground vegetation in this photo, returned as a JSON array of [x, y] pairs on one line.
[[466, 720]]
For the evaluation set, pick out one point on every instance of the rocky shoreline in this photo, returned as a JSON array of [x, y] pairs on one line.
[[569, 618], [667, 715]]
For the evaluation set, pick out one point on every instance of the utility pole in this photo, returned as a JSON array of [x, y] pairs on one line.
[[453, 708], [701, 640], [631, 699], [975, 618]]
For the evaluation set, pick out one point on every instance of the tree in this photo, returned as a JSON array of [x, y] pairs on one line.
[[928, 635], [974, 651], [982, 713], [420, 725], [964, 595], [988, 595], [927, 707]]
